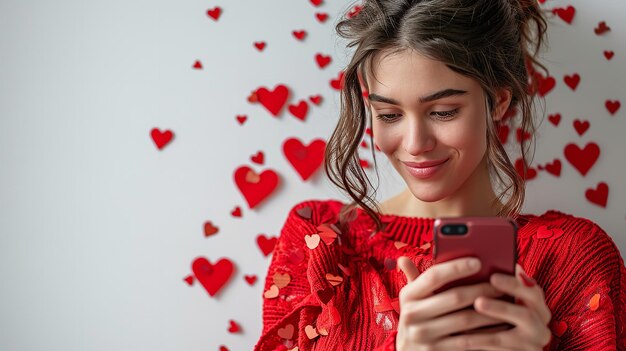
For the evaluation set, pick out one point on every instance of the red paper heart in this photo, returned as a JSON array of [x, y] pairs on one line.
[[241, 119], [197, 65], [572, 80], [608, 54], [581, 126], [236, 212], [545, 84], [530, 172], [601, 28], [555, 118], [566, 14], [286, 332], [599, 195], [304, 159], [316, 2], [258, 158], [274, 100], [325, 294], [612, 106], [210, 229], [299, 34], [554, 167], [337, 84], [212, 277], [255, 192], [233, 327], [503, 133], [322, 60], [300, 110], [316, 99], [519, 136], [215, 13], [322, 17], [161, 139], [224, 348], [189, 279], [559, 328], [260, 45], [251, 279], [364, 164], [253, 98], [266, 244], [582, 159]]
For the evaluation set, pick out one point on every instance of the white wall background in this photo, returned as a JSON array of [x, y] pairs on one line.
[[98, 228]]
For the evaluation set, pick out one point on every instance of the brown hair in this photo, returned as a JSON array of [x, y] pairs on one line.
[[487, 40]]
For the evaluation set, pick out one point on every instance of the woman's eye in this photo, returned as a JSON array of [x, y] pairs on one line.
[[446, 114], [441, 115]]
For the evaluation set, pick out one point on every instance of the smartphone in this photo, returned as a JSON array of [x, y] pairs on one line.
[[493, 240]]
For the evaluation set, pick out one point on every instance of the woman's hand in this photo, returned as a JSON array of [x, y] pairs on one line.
[[427, 319], [529, 315]]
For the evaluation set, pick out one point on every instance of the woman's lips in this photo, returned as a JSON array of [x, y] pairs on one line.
[[425, 172]]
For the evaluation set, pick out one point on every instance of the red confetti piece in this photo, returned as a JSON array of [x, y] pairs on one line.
[[210, 229], [612, 106], [581, 126], [251, 279], [322, 60], [233, 327], [555, 119], [300, 110], [215, 13], [599, 195], [566, 14], [255, 187], [213, 277], [241, 119], [299, 34], [197, 65], [273, 100], [189, 280], [601, 28], [260, 45], [266, 244], [258, 158], [572, 80], [582, 159], [236, 212], [161, 139], [321, 16]]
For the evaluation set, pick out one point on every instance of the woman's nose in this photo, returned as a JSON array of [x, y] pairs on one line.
[[418, 137]]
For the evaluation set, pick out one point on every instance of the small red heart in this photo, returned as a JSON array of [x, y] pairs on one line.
[[503, 133], [364, 144], [197, 65], [554, 167], [545, 84], [322, 17], [555, 118], [255, 191], [304, 159], [322, 60], [559, 328], [355, 11], [364, 164], [251, 279], [299, 34], [325, 294], [234, 327], [608, 54], [316, 99], [236, 212], [530, 172], [273, 100], [599, 195], [161, 139], [224, 348], [612, 106], [582, 159], [572, 80], [189, 279], [300, 110], [601, 28], [519, 136], [566, 14], [210, 229], [266, 244], [213, 277], [581, 126], [368, 131], [316, 2], [260, 45], [215, 13], [241, 119], [258, 158], [253, 98], [337, 84]]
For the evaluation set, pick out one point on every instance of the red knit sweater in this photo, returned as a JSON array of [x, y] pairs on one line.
[[341, 293]]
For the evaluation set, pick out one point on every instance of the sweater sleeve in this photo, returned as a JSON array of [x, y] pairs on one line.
[[286, 290], [591, 310]]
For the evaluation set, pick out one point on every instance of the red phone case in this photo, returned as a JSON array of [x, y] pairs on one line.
[[491, 239]]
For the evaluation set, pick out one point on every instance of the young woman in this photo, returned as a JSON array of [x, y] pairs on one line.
[[436, 80]]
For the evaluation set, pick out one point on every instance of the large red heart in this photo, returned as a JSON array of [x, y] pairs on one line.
[[305, 159], [273, 100], [212, 277], [161, 138], [266, 244], [582, 159], [599, 195], [545, 84], [254, 187]]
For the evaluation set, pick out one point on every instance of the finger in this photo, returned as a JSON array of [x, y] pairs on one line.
[[506, 340], [408, 268], [521, 316], [439, 275], [533, 297], [457, 322], [448, 301]]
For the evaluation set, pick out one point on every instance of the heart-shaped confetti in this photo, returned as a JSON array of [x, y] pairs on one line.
[[316, 2], [304, 159], [271, 293], [299, 110], [241, 119], [224, 348], [258, 158], [325, 294], [197, 65], [327, 234], [189, 280], [161, 139], [582, 159], [215, 12], [255, 191], [334, 280], [530, 172], [273, 100], [572, 80], [546, 84], [213, 277], [521, 136], [253, 98], [311, 332], [601, 28], [337, 83], [558, 328], [260, 45], [612, 106], [236, 212], [566, 14], [555, 119], [322, 60], [299, 34], [281, 280], [599, 195], [316, 99], [312, 241], [233, 327], [287, 332], [321, 16], [544, 233], [608, 54], [581, 126], [554, 168], [266, 244], [251, 279], [305, 212], [210, 229]]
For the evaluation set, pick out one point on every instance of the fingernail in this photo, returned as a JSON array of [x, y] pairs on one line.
[[473, 263], [528, 281]]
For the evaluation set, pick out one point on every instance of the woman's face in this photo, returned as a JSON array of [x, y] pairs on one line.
[[423, 111]]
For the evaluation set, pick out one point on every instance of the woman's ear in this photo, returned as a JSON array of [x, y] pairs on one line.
[[503, 97], [364, 91]]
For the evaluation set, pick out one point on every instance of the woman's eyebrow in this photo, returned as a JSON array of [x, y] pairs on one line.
[[432, 97]]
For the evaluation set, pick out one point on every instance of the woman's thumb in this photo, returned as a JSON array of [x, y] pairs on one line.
[[408, 267]]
